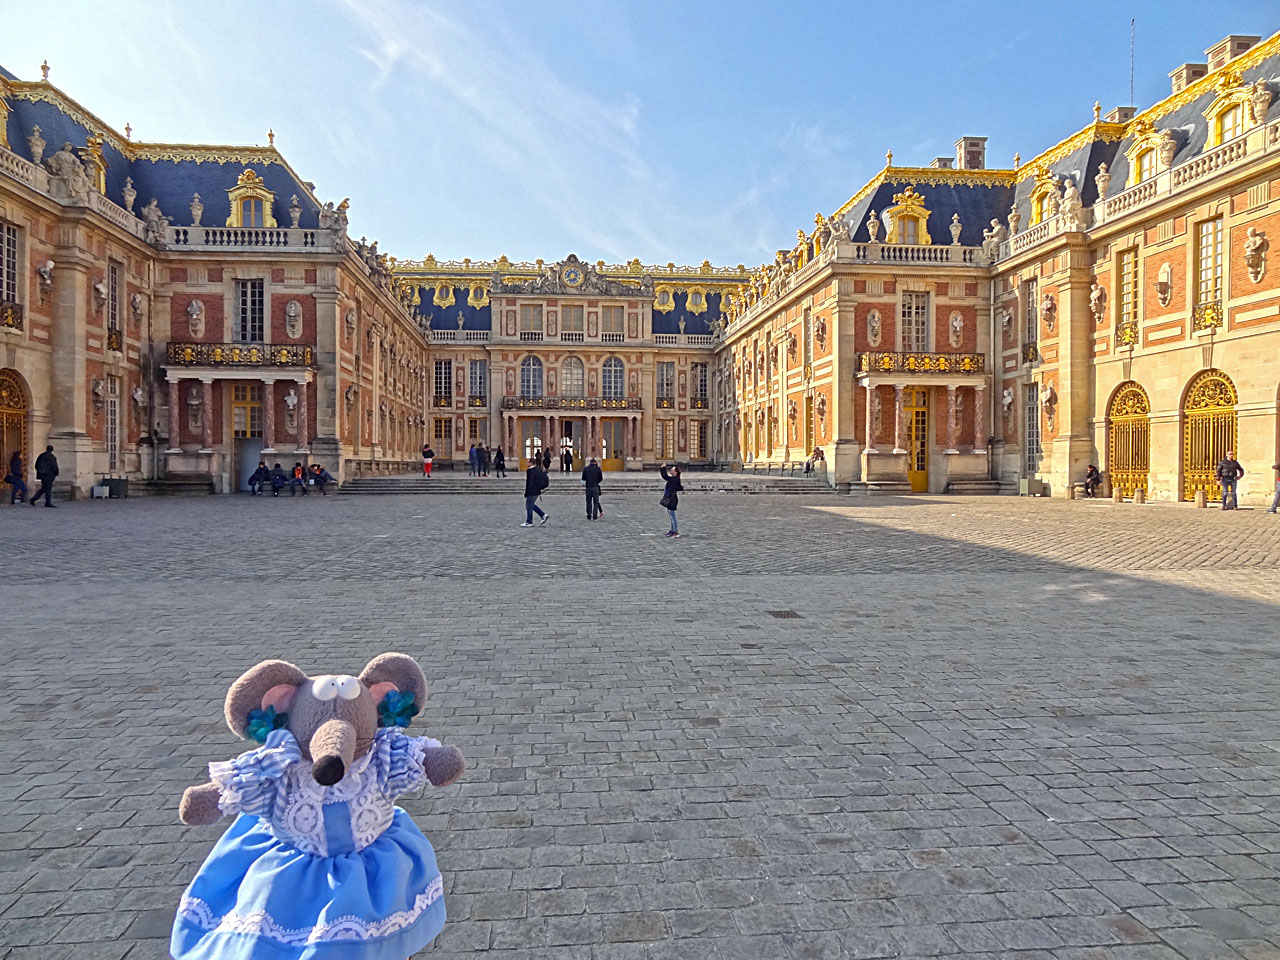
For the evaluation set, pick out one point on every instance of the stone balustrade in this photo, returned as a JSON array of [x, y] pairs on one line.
[[246, 238]]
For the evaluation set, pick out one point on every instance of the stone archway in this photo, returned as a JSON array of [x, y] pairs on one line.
[[1209, 430], [1129, 439], [15, 410]]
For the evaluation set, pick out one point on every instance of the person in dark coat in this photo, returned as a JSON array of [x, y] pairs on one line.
[[499, 463], [535, 481], [278, 480], [486, 458], [299, 479], [260, 478], [320, 477], [566, 461], [1092, 478], [671, 496], [546, 460], [592, 476], [46, 471], [16, 478], [1229, 472], [473, 458]]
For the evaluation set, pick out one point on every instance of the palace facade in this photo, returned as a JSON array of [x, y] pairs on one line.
[[174, 312]]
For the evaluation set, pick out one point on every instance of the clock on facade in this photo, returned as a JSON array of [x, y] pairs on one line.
[[572, 276]]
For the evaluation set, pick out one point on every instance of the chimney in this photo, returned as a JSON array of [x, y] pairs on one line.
[[1227, 49], [1187, 74], [941, 163], [1120, 114], [971, 153]]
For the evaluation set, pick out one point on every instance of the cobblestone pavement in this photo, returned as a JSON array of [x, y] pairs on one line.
[[993, 728]]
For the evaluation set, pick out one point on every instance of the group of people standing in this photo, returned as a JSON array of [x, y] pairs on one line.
[[483, 457], [299, 478]]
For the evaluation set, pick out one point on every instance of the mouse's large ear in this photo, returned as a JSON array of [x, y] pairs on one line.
[[395, 671], [272, 683]]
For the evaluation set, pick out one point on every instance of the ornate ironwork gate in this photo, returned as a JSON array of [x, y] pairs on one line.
[[13, 419], [1129, 451], [1208, 431]]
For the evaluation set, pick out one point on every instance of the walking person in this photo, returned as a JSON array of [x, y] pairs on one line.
[[535, 481], [473, 457], [298, 480], [46, 471], [1275, 501], [566, 461], [278, 480], [671, 496], [260, 477], [499, 463], [16, 478], [1229, 473], [428, 457], [592, 476]]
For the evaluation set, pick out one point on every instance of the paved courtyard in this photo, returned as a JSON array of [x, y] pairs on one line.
[[980, 728]]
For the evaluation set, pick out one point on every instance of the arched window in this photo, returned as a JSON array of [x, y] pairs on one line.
[[611, 379], [1230, 123], [530, 377], [571, 377]]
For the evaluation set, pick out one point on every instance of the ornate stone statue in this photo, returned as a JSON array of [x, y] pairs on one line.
[[873, 226], [99, 296], [1006, 400], [1050, 406], [135, 305], [44, 275], [955, 229], [1097, 303], [1259, 101], [327, 218], [350, 321], [1167, 149], [1015, 218], [821, 408], [129, 194], [1164, 284], [1072, 207], [991, 240], [195, 319], [195, 403], [1053, 200], [1255, 254], [295, 211], [874, 327], [155, 223], [139, 398], [197, 210], [956, 329], [67, 177], [1102, 180], [36, 144], [821, 233], [293, 319], [291, 410], [1049, 310]]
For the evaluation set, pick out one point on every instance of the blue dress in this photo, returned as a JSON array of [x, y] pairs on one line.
[[308, 872]]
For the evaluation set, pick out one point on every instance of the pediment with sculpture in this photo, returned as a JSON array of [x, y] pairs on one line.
[[570, 277]]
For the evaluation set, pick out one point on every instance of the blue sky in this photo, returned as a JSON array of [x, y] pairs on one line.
[[671, 131]]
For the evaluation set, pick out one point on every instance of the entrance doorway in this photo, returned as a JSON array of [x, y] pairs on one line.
[[916, 402], [530, 441], [1208, 431], [572, 440], [613, 442], [246, 431], [1129, 447], [13, 419]]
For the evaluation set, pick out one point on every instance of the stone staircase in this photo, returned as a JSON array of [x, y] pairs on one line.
[[614, 484]]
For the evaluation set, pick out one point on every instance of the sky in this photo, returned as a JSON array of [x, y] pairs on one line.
[[668, 131]]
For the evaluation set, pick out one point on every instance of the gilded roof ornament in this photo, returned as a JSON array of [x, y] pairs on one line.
[[888, 158], [44, 71], [1097, 110], [249, 179], [271, 137], [128, 132]]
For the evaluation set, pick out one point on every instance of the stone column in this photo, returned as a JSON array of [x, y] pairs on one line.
[[979, 420], [175, 418], [899, 418], [304, 422], [329, 399], [869, 439], [554, 443], [952, 424], [268, 416], [69, 401], [206, 415], [546, 432]]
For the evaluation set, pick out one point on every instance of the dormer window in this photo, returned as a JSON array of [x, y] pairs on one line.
[[908, 218], [251, 203]]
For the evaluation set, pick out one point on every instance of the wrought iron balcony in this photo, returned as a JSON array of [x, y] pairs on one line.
[[477, 400], [1207, 316], [10, 315], [927, 363], [115, 339], [699, 403], [666, 403], [240, 355], [1127, 332], [1030, 353], [445, 402], [571, 403]]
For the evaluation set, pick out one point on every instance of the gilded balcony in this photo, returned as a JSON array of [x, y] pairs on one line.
[[115, 339], [699, 403], [571, 403], [921, 363], [1207, 316], [1030, 353], [10, 315], [240, 355], [446, 402]]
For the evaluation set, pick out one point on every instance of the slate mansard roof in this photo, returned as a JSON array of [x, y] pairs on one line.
[[172, 173]]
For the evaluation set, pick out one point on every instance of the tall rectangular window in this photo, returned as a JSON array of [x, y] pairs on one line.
[[443, 379], [664, 439], [611, 320], [478, 379], [442, 434], [1033, 429], [531, 319], [807, 330], [571, 318], [698, 439], [473, 429], [249, 297], [666, 379], [1209, 261], [113, 423], [1128, 306], [699, 377], [915, 322], [113, 296], [8, 263], [1032, 326]]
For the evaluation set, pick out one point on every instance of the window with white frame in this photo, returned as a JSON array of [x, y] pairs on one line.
[[530, 377], [8, 263], [571, 318], [611, 320], [915, 322], [478, 379], [531, 318], [1209, 261], [1030, 308], [443, 379], [113, 423], [1128, 271], [249, 300], [1032, 429], [611, 385], [664, 439], [666, 380], [113, 296], [698, 372], [571, 377]]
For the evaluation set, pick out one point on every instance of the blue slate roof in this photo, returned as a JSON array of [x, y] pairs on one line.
[[696, 324], [977, 205], [446, 318]]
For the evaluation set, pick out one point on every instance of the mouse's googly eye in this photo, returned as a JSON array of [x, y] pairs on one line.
[[348, 687], [324, 688]]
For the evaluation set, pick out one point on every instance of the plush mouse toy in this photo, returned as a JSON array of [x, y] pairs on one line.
[[319, 862]]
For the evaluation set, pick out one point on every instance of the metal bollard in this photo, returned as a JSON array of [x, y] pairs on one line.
[[1139, 496], [1202, 499]]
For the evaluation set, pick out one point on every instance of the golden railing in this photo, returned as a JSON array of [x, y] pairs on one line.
[[921, 363], [115, 339], [10, 316], [571, 403], [1030, 354], [1206, 316], [240, 355]]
